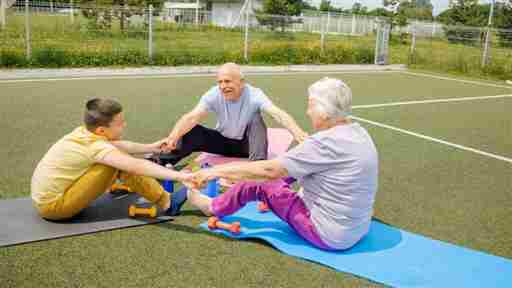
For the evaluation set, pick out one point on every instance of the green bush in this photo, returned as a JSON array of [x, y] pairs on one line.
[[267, 54], [12, 59], [498, 70], [50, 57]]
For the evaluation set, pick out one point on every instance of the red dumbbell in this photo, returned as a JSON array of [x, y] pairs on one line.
[[263, 207], [215, 223]]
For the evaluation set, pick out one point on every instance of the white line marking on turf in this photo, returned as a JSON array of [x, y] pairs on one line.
[[185, 75], [455, 79], [432, 139], [431, 101]]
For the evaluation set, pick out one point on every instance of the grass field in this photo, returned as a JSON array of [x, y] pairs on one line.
[[172, 44], [55, 42], [444, 173]]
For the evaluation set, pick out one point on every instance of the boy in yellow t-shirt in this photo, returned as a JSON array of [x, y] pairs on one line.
[[82, 165]]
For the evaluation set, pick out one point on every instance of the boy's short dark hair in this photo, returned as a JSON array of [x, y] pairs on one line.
[[100, 112]]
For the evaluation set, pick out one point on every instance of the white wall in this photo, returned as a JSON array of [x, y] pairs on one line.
[[224, 14]]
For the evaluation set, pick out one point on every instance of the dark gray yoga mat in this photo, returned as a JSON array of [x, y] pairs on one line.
[[20, 223]]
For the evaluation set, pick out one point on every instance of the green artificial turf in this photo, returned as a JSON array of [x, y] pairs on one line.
[[425, 187]]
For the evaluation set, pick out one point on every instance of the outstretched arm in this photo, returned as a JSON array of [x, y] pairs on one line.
[[184, 125], [138, 148], [136, 166], [257, 170], [287, 121]]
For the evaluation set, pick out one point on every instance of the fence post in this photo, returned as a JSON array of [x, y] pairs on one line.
[[150, 33], [413, 40], [327, 26], [71, 11], [246, 40], [485, 55], [322, 33], [338, 28], [197, 12], [28, 52], [353, 32], [413, 43], [365, 26], [2, 13], [381, 43]]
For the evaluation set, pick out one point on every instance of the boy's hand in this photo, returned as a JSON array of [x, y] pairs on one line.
[[158, 146], [188, 181], [201, 177]]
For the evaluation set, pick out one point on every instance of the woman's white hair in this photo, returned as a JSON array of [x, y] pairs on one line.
[[332, 97]]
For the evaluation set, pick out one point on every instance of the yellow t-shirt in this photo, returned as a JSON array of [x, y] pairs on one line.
[[65, 162]]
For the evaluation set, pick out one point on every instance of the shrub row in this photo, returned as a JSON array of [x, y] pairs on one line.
[[260, 53], [268, 55]]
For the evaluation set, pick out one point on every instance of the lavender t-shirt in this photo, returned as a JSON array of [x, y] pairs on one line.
[[338, 169], [234, 116]]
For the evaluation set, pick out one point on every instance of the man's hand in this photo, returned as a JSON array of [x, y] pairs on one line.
[[158, 146], [170, 144]]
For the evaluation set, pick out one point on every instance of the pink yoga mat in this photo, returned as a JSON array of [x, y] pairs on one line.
[[279, 140]]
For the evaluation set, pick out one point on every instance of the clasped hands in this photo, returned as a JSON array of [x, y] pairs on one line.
[[199, 179]]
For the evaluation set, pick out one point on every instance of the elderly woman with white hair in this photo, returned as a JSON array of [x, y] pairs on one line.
[[337, 169]]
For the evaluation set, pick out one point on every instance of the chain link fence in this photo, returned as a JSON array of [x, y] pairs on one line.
[[64, 34], [462, 49], [39, 33]]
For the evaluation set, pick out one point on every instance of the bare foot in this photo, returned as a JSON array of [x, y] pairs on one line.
[[226, 183], [200, 201]]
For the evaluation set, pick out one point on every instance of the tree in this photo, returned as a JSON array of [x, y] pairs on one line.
[[503, 21], [471, 13], [325, 6], [102, 18], [359, 9], [398, 9], [282, 7], [411, 9], [464, 13], [403, 10], [381, 12], [278, 13], [307, 6]]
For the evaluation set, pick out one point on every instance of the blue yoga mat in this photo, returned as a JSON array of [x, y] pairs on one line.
[[386, 255]]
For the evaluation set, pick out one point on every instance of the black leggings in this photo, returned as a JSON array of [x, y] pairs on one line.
[[254, 145]]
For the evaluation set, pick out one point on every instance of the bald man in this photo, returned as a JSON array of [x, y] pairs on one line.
[[240, 130]]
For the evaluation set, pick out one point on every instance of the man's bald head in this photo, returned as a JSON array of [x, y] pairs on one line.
[[231, 81], [232, 69]]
